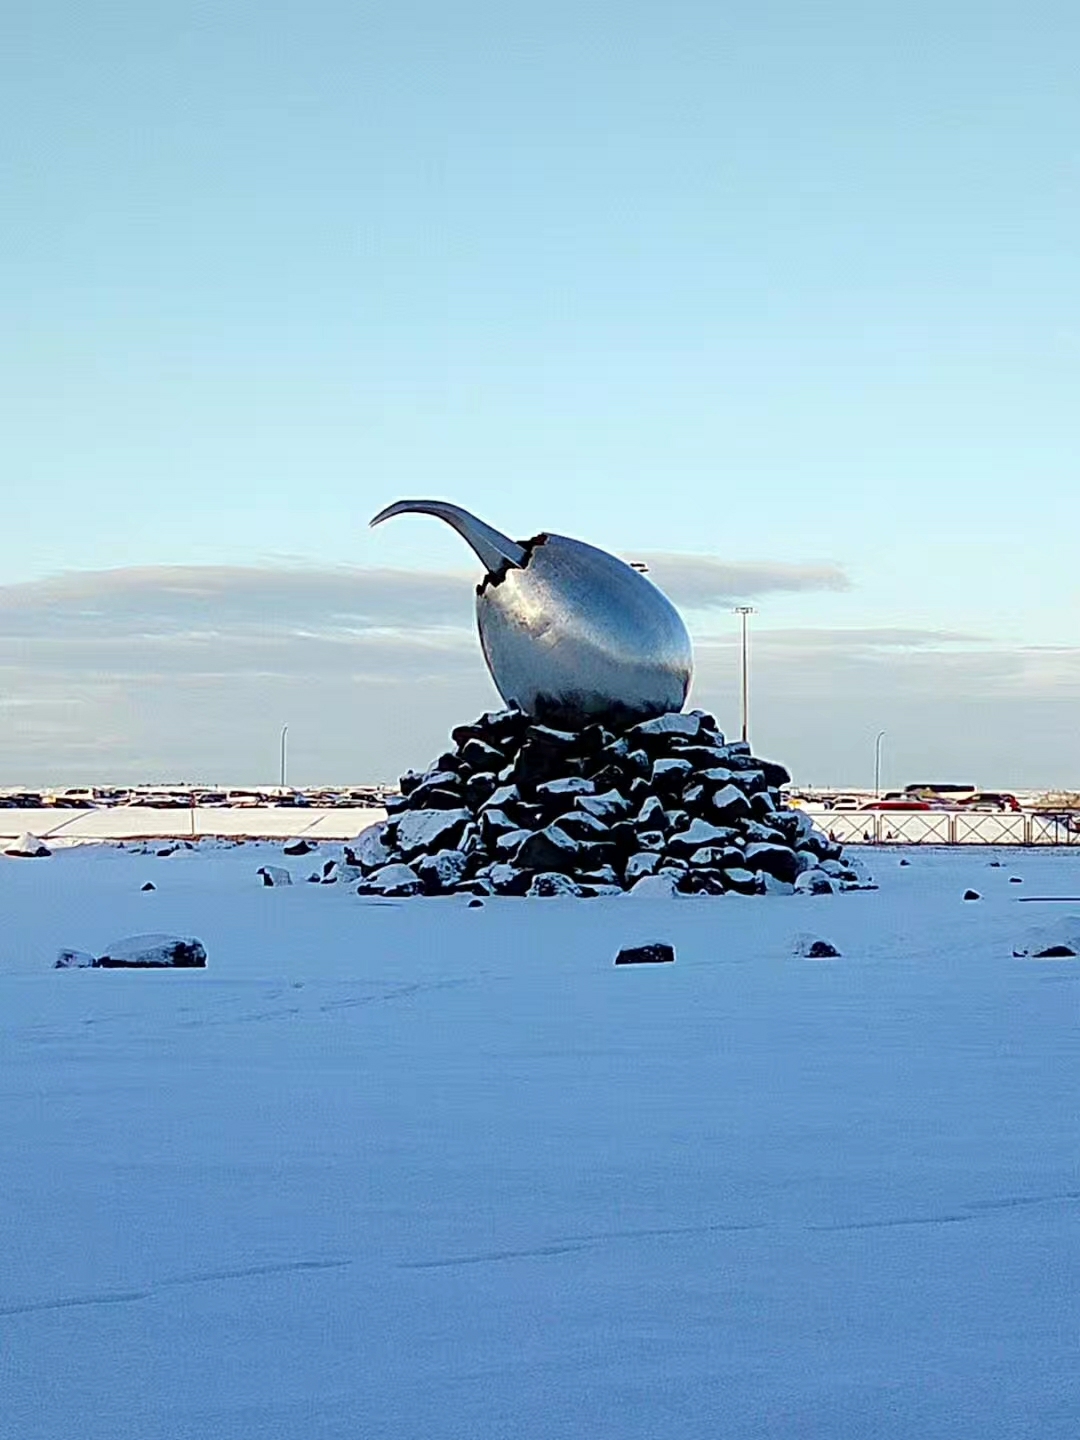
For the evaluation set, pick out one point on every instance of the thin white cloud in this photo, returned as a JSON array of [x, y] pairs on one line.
[[702, 582], [231, 599], [851, 639]]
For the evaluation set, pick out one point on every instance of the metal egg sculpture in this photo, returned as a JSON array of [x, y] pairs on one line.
[[570, 633]]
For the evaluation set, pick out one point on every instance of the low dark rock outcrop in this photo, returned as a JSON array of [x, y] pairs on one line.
[[656, 953]]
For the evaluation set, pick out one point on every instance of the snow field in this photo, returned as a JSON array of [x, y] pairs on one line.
[[409, 1169]]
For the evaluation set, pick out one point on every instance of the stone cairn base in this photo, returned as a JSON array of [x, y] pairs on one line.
[[663, 806]]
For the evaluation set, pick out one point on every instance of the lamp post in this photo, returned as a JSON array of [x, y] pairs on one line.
[[284, 740], [877, 764], [744, 611]]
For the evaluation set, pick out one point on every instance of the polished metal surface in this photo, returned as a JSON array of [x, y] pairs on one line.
[[493, 549], [570, 633], [577, 635]]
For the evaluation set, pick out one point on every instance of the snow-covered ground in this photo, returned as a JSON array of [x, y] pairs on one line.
[[424, 1172]]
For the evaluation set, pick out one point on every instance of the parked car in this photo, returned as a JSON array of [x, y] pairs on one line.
[[951, 793], [991, 800], [896, 805]]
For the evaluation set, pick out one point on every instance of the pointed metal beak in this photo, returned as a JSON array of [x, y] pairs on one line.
[[494, 550]]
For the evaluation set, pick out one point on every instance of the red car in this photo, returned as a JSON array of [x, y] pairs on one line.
[[896, 805]]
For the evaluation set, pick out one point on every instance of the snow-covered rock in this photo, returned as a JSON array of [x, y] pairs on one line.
[[643, 862], [392, 881], [813, 882], [652, 815], [28, 847], [570, 785], [74, 960], [654, 887], [697, 834], [549, 849], [427, 830], [772, 886], [442, 871], [729, 804], [670, 775], [656, 952], [153, 952], [776, 860], [272, 875], [1059, 939], [813, 947], [664, 726], [369, 851], [510, 842], [553, 883], [606, 807], [507, 879]]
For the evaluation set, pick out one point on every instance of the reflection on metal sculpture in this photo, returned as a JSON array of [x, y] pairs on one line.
[[570, 633]]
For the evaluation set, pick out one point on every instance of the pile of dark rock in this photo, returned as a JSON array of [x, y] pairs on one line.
[[666, 805]]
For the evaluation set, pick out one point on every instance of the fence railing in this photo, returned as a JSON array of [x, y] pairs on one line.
[[850, 827], [947, 827], [136, 822]]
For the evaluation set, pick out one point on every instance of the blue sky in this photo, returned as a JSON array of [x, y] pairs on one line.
[[782, 285]]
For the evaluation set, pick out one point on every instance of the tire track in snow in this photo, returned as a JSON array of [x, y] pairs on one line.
[[173, 1282], [971, 1211]]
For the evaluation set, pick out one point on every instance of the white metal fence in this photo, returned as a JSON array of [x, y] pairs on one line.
[[136, 822], [850, 827], [947, 827]]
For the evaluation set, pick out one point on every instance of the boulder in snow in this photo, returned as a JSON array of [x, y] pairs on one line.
[[775, 860], [813, 882], [741, 880], [550, 849], [729, 804], [74, 960], [425, 831], [1059, 940], [368, 850], [644, 862], [664, 727], [699, 834], [553, 883], [274, 875], [28, 847], [654, 887], [153, 952], [392, 881], [442, 871], [812, 947], [657, 952], [607, 807]]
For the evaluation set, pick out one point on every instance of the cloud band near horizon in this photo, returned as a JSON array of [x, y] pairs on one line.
[[188, 671]]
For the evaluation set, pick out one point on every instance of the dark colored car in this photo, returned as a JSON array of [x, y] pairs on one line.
[[991, 800]]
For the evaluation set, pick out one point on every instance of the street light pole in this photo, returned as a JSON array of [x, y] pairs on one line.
[[744, 611], [284, 738], [877, 764]]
